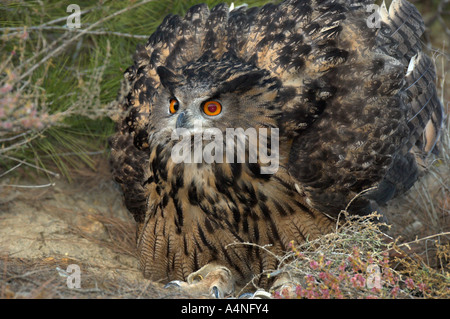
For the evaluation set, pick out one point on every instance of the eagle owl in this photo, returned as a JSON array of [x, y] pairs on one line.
[[345, 85]]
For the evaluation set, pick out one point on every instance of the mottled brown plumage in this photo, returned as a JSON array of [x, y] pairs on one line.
[[351, 103]]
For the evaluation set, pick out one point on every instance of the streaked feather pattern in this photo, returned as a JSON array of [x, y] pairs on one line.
[[352, 103]]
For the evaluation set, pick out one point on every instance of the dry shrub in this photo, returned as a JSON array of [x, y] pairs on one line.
[[359, 260]]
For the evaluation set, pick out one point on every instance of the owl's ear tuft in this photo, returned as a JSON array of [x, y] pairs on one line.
[[168, 79], [242, 83], [141, 54]]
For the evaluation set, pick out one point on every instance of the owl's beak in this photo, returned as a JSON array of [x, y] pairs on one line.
[[181, 120]]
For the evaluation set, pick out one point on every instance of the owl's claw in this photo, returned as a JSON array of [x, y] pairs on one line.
[[211, 281], [175, 284], [258, 294], [215, 291]]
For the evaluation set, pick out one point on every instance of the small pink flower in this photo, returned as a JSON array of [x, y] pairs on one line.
[[375, 290], [342, 276], [299, 291], [410, 283], [314, 264], [6, 88], [7, 125], [26, 123], [358, 281], [24, 35], [422, 287], [394, 291], [325, 293], [324, 275]]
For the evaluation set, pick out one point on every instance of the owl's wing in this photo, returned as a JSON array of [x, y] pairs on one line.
[[383, 107]]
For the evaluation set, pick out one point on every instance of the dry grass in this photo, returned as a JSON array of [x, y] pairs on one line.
[[47, 279], [94, 234]]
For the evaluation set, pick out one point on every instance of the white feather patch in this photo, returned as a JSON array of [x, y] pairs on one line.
[[412, 65]]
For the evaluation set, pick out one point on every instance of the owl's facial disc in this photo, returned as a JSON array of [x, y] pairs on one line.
[[204, 109], [215, 94]]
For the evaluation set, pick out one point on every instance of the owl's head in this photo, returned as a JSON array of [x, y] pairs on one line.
[[211, 93]]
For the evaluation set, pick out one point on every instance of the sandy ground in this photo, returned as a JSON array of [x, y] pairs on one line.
[[84, 223]]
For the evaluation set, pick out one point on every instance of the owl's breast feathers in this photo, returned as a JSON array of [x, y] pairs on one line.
[[201, 213], [360, 106]]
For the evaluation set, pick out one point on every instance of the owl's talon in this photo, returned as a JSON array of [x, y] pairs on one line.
[[215, 291], [258, 294], [211, 280], [247, 295], [175, 284]]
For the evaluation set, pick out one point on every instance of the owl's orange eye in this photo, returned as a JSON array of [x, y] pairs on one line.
[[174, 105], [212, 108]]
